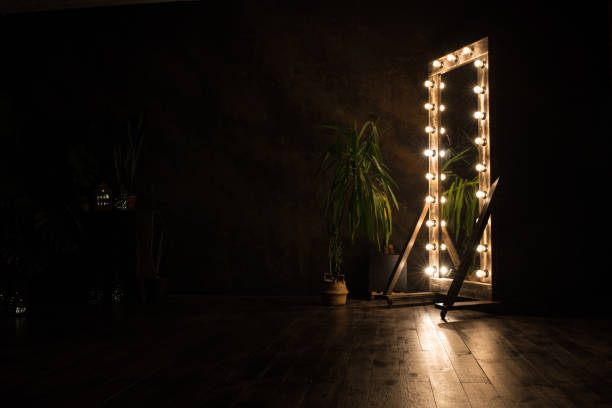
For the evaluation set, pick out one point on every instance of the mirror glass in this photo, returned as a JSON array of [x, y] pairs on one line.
[[458, 165]]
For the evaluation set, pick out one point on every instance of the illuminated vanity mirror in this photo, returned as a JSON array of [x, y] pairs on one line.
[[459, 167]]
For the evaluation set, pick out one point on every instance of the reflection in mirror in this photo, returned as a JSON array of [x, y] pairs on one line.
[[460, 204]]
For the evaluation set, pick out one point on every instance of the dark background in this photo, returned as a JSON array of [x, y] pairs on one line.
[[235, 98]]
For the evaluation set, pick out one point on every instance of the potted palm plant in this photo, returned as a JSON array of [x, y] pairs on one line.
[[126, 161], [359, 200]]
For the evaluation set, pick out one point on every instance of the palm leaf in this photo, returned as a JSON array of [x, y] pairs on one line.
[[360, 198]]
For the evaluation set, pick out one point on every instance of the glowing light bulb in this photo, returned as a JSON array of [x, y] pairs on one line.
[[466, 51], [481, 248], [479, 89], [430, 129], [451, 58], [429, 106], [442, 199], [442, 130], [430, 247], [429, 152], [430, 223], [442, 108], [442, 176], [481, 167], [443, 247], [429, 84], [481, 194], [444, 270], [482, 273], [442, 85], [443, 223], [430, 176], [442, 153], [479, 115], [480, 141], [430, 199], [430, 270], [478, 64], [436, 64]]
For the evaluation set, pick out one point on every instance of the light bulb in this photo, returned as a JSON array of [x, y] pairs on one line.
[[436, 64], [481, 248], [429, 106], [430, 247], [442, 176], [430, 199], [466, 51], [443, 223], [480, 141], [444, 270], [481, 167], [429, 129], [443, 247], [442, 199], [430, 176], [429, 152], [430, 223], [442, 153], [429, 84], [479, 115], [442, 85], [482, 273], [478, 64], [442, 130], [430, 270], [481, 194], [451, 58], [479, 89], [442, 108]]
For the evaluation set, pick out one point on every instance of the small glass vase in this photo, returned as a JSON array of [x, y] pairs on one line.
[[117, 294], [15, 305], [121, 200]]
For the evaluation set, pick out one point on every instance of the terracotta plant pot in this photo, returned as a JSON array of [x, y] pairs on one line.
[[131, 202], [334, 293]]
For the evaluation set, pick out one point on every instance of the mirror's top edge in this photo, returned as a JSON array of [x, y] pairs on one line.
[[478, 49]]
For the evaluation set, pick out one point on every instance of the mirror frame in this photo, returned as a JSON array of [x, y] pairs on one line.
[[469, 54]]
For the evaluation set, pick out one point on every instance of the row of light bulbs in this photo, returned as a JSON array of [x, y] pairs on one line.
[[452, 59], [432, 247], [480, 167], [444, 271]]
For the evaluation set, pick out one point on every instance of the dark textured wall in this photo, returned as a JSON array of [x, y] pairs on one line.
[[236, 97]]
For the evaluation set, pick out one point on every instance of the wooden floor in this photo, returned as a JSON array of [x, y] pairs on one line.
[[291, 352]]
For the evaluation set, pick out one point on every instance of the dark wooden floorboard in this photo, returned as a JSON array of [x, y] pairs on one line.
[[292, 352]]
